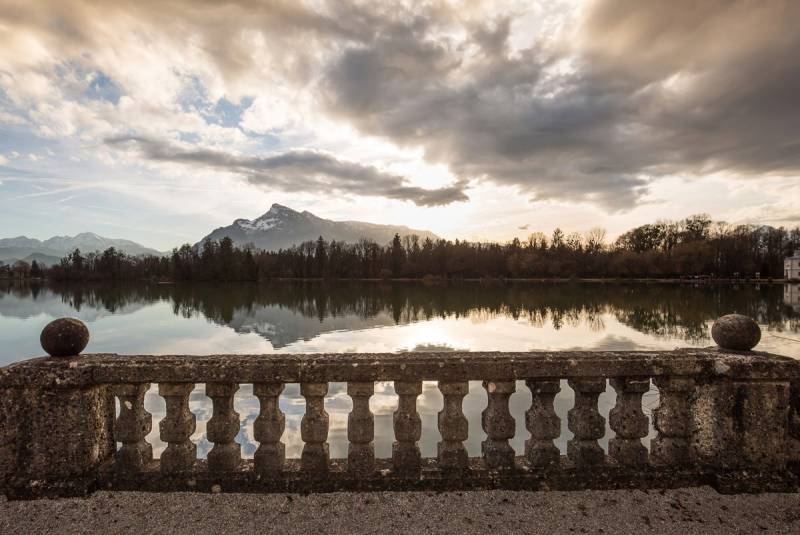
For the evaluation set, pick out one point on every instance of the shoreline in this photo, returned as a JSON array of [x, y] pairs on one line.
[[670, 280], [436, 280]]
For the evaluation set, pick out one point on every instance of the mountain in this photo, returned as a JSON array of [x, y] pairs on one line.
[[282, 227], [22, 247], [42, 259]]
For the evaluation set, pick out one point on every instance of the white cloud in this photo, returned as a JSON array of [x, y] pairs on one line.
[[10, 118], [548, 107]]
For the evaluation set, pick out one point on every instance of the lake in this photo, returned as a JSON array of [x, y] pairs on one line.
[[309, 317]]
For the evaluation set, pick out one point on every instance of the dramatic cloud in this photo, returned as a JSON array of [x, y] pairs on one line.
[[651, 89], [299, 171], [602, 106]]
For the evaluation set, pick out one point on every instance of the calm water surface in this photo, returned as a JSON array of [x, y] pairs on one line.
[[371, 317]]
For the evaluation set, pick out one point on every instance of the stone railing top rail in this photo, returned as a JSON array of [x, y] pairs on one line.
[[454, 366]]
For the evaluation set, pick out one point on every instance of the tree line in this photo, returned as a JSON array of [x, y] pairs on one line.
[[21, 270], [693, 247]]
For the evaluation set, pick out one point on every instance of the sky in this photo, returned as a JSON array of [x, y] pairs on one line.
[[483, 120]]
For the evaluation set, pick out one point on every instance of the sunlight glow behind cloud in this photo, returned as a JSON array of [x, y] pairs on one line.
[[475, 119]]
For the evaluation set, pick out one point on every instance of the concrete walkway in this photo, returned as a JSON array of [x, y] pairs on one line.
[[682, 511]]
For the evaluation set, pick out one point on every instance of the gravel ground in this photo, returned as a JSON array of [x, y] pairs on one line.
[[681, 511]]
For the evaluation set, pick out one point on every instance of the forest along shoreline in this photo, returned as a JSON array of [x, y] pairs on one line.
[[694, 249]]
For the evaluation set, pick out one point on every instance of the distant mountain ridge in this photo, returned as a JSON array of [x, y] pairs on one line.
[[281, 227], [52, 249]]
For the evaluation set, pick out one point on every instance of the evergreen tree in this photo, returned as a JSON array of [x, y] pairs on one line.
[[398, 256], [36, 271]]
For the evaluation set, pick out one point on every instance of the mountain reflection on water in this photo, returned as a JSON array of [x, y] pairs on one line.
[[286, 312], [299, 317]]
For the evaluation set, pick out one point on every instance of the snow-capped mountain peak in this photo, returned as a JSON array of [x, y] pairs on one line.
[[281, 227]]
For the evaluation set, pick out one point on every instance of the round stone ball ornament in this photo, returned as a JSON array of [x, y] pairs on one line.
[[64, 337], [736, 332]]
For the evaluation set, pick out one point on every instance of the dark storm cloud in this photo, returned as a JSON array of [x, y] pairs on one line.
[[298, 170], [632, 91], [650, 89], [222, 31]]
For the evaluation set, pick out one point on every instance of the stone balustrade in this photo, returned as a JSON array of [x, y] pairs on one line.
[[725, 418]]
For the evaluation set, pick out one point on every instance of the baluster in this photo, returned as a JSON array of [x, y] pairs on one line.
[[586, 422], [268, 428], [223, 427], [498, 424], [131, 426], [453, 426], [176, 427], [361, 430], [672, 419], [406, 457], [543, 423], [628, 421], [314, 429]]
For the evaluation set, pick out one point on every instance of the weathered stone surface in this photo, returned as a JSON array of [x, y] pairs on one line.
[[672, 419], [725, 418], [9, 424], [543, 423], [176, 428], [407, 367], [66, 432], [794, 419], [361, 430], [268, 428], [628, 421], [453, 426], [223, 427], [764, 414], [736, 332], [586, 422], [715, 440], [131, 427], [740, 424], [64, 337], [314, 430], [406, 456], [498, 424]]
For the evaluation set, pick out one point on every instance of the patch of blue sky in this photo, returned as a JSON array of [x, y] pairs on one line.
[[223, 112], [18, 142], [266, 141], [193, 97], [227, 113], [189, 137], [8, 108], [98, 85], [103, 88], [83, 196]]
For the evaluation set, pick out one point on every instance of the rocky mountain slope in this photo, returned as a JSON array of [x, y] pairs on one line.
[[22, 247], [281, 227]]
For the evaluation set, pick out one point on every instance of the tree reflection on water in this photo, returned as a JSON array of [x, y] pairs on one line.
[[675, 311]]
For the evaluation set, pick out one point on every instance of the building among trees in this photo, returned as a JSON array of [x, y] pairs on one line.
[[791, 267]]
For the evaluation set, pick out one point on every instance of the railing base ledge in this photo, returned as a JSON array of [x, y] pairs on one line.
[[33, 489], [564, 477], [749, 482]]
